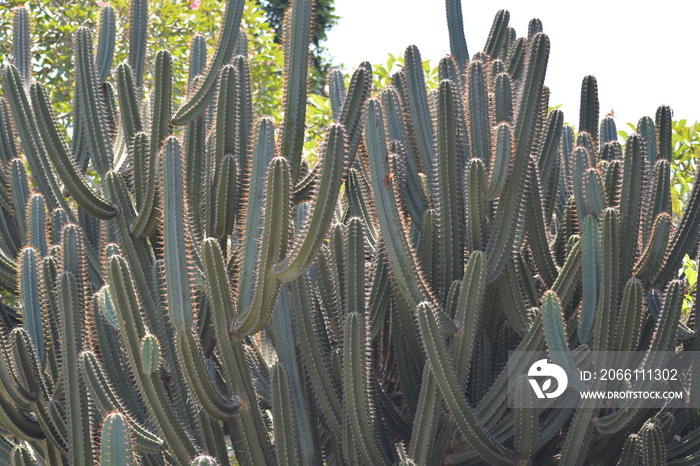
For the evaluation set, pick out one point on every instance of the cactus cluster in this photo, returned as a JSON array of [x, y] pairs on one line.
[[148, 264]]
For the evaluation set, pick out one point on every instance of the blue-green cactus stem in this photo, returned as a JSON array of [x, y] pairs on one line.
[[234, 363], [33, 148], [202, 95], [479, 114], [176, 247], [80, 432], [80, 188], [441, 367], [208, 395], [509, 205], [130, 321], [105, 43], [99, 142], [107, 401], [449, 210], [498, 34], [22, 44], [286, 436], [307, 244], [355, 387], [455, 27], [273, 247], [652, 257], [475, 208], [297, 27], [31, 301], [116, 447], [631, 192], [128, 96], [418, 111], [535, 227], [399, 251], [684, 238]]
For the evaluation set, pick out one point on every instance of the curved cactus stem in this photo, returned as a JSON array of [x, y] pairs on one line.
[[274, 244], [355, 387], [263, 152], [510, 203], [202, 95], [660, 196], [286, 436], [501, 160], [399, 252], [419, 118], [336, 92], [146, 183], [107, 401], [535, 228], [116, 448], [565, 284], [662, 342], [353, 106], [8, 273], [213, 402], [235, 366], [63, 162], [555, 337], [313, 353], [653, 256], [29, 135], [308, 243], [441, 367], [511, 296], [91, 106], [498, 34], [396, 130], [128, 96], [130, 322], [549, 161]]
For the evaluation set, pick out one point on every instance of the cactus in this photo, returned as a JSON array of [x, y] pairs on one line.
[[154, 269]]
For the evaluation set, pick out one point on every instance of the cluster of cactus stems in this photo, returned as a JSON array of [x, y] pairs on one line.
[[147, 263]]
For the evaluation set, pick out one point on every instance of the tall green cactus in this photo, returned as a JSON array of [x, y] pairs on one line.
[[200, 295]]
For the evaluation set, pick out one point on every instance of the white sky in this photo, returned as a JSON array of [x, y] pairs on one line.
[[641, 56]]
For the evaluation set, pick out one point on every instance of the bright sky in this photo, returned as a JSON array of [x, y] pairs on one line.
[[642, 57]]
